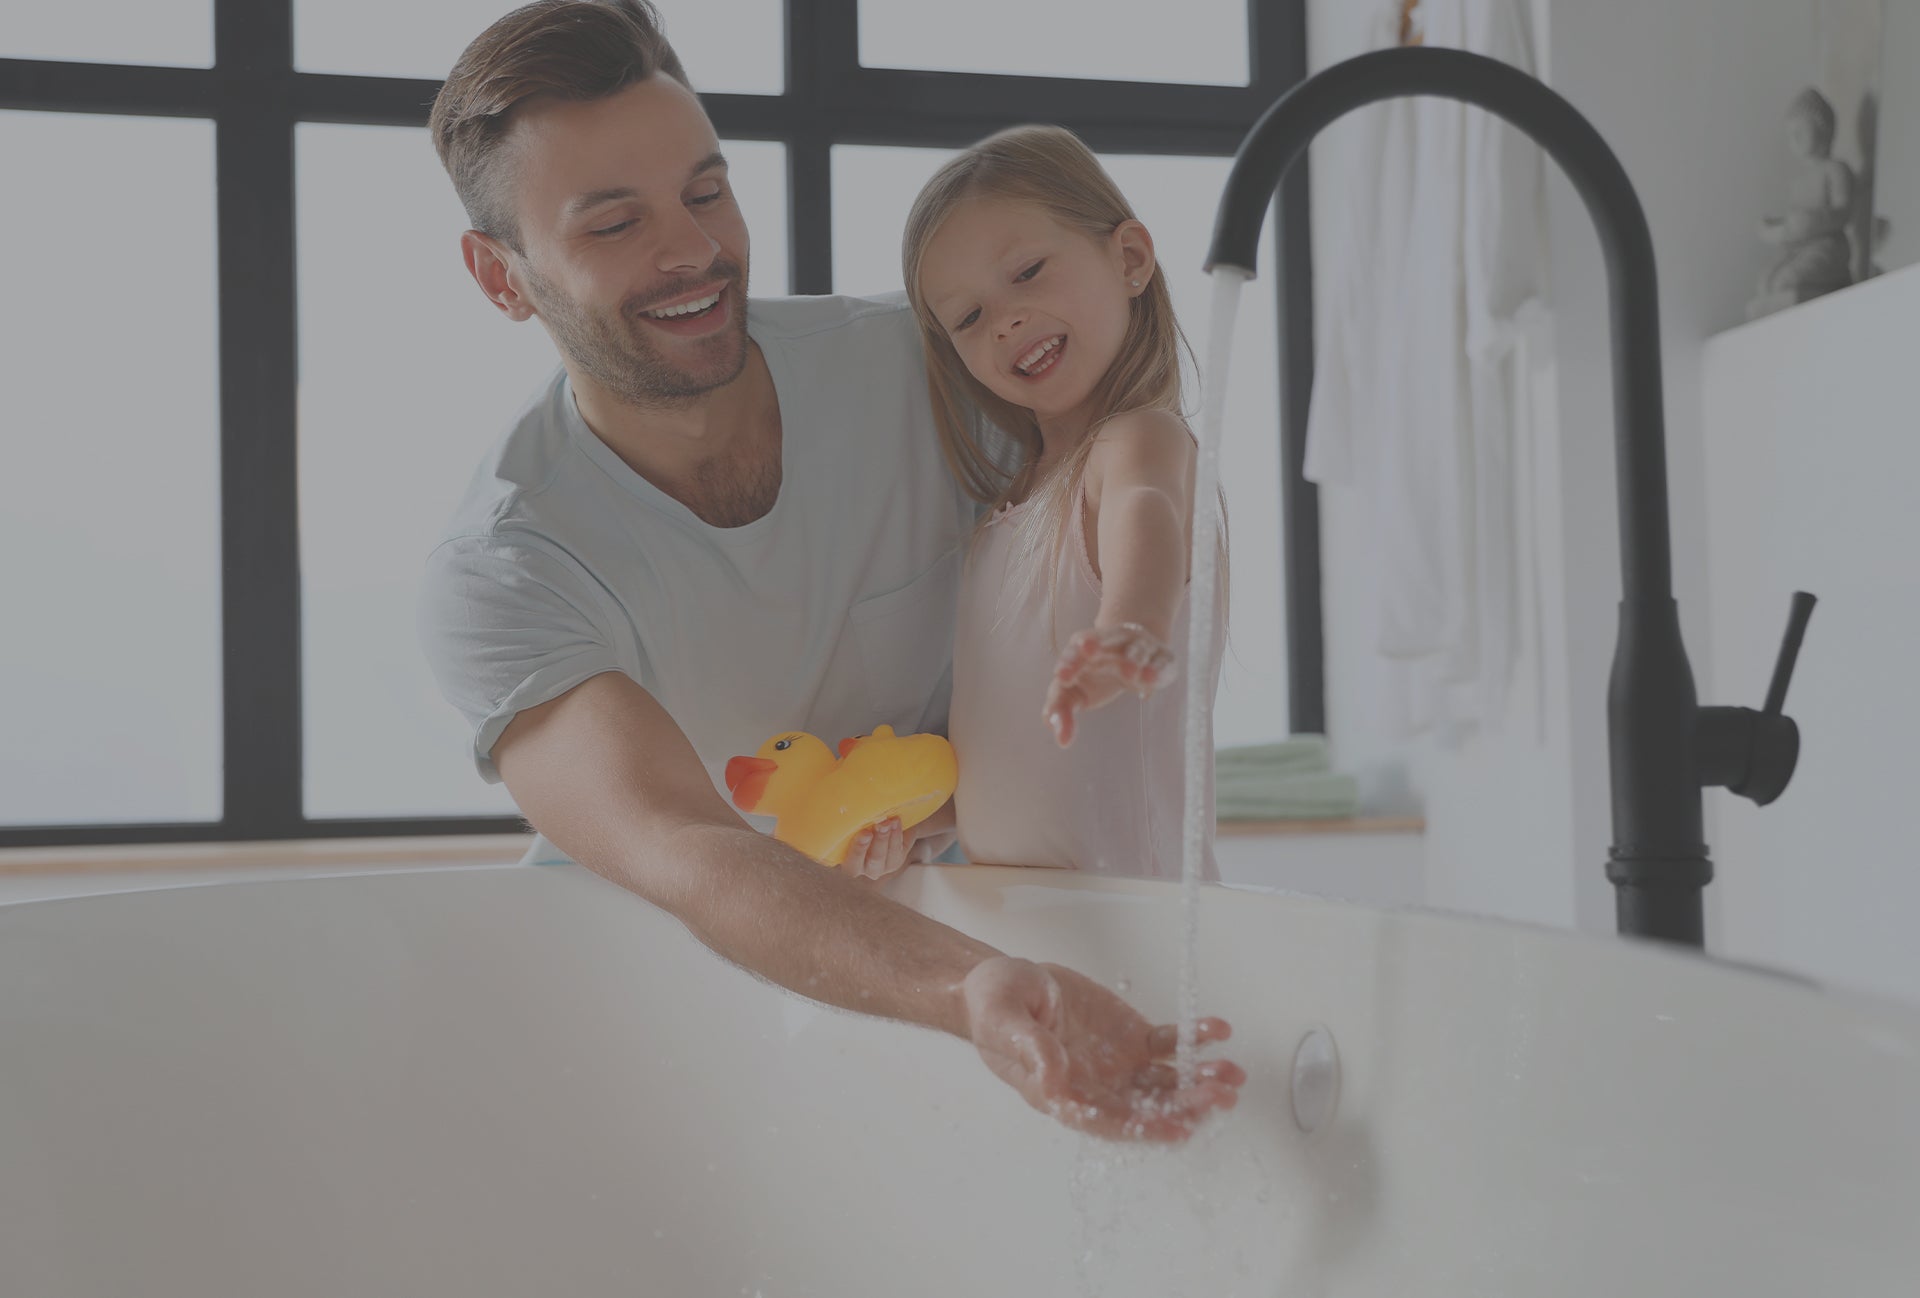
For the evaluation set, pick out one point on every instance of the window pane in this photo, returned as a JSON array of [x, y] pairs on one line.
[[170, 33], [758, 171], [407, 377], [1176, 197], [727, 46], [110, 585], [1125, 41], [873, 188]]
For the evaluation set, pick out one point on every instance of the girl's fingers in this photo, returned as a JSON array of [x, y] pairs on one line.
[[896, 854], [855, 862]]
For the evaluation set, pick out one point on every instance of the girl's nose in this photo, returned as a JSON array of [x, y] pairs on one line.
[[1010, 322]]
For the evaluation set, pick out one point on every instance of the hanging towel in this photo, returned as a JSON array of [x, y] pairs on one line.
[[1417, 402]]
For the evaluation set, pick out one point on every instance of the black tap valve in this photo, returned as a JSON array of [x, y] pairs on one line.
[[1753, 753]]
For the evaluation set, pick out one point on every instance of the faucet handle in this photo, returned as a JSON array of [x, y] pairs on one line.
[[1797, 617], [1773, 743]]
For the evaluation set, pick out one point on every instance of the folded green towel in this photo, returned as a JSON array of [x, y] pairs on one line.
[[1300, 754], [1306, 797], [1290, 780]]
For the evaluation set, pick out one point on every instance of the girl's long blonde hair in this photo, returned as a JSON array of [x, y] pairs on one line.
[[1050, 168]]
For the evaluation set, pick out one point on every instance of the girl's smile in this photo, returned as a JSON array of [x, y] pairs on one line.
[[1042, 358]]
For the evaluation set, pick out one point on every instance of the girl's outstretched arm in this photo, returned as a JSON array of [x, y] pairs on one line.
[[1140, 494]]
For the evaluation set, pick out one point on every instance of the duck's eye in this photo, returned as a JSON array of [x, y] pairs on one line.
[[783, 746]]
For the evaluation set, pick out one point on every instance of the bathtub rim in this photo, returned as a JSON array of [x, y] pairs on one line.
[[1411, 921]]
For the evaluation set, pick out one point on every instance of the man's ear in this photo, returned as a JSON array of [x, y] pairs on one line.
[[488, 262], [1133, 248]]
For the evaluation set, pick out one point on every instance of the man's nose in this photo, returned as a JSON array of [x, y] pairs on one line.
[[685, 245]]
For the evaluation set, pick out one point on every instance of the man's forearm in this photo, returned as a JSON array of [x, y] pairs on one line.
[[773, 911]]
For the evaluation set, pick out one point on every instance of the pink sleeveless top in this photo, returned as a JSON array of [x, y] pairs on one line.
[[1112, 803]]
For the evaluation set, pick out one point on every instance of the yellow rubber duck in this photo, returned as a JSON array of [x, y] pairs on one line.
[[820, 801]]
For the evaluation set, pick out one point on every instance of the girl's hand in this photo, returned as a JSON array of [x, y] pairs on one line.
[[1097, 665], [877, 851], [880, 851]]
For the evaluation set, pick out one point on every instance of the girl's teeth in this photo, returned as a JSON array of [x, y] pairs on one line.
[[1035, 356]]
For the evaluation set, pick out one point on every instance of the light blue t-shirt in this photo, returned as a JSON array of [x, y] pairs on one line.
[[833, 613]]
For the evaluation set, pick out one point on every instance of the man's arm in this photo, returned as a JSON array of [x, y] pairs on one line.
[[606, 774]]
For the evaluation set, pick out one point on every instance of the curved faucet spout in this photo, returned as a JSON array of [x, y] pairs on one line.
[[1283, 133], [1659, 862]]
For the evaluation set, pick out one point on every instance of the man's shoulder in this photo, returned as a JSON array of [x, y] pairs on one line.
[[803, 317], [521, 463]]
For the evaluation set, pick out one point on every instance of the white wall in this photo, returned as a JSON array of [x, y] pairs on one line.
[[1812, 461], [1897, 178], [1690, 96]]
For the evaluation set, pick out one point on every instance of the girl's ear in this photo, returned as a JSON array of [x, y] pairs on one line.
[[1133, 253]]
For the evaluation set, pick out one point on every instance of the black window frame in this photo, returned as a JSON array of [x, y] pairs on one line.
[[255, 97]]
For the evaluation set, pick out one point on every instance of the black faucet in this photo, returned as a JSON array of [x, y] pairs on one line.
[[1663, 746]]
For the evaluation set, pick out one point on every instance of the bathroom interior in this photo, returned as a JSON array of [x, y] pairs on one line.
[[283, 1012]]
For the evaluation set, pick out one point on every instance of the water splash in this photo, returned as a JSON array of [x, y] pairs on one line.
[[1203, 595], [1235, 1221]]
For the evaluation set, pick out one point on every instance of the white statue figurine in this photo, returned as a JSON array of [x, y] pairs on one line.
[[1816, 256]]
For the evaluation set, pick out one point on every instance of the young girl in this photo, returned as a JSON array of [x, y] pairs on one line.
[[1047, 328]]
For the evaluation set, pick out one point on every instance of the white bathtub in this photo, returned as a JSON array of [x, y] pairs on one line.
[[522, 1081]]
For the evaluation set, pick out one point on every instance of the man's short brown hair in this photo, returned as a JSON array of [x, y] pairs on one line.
[[566, 49]]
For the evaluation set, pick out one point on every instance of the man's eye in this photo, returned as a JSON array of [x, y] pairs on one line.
[[701, 200], [1031, 271], [614, 229], [970, 318]]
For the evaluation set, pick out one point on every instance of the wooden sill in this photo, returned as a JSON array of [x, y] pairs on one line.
[[1350, 825], [470, 849], [475, 849]]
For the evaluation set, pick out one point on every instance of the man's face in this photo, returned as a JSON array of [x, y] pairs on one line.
[[636, 254]]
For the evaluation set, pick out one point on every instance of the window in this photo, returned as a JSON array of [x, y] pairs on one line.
[[110, 581], [728, 46], [211, 494], [162, 33], [1064, 38]]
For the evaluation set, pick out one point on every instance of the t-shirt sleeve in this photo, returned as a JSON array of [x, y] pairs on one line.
[[506, 625]]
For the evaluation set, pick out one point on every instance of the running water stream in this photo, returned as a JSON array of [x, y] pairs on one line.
[[1203, 594]]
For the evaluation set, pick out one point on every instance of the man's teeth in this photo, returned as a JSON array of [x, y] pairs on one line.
[[685, 308], [1032, 358]]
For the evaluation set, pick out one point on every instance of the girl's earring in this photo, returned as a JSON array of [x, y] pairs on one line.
[[1134, 282]]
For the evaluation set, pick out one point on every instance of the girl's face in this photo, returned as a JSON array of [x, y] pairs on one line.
[[1037, 310]]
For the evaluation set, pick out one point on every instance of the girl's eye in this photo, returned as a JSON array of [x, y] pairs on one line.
[[1030, 271], [614, 229], [970, 318]]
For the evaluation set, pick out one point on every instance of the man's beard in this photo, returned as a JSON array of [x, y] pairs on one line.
[[617, 353]]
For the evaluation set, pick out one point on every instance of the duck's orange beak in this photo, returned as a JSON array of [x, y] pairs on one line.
[[747, 779]]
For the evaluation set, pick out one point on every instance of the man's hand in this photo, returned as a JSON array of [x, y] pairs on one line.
[[1079, 1053], [1100, 664]]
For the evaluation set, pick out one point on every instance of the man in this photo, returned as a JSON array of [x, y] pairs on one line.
[[714, 524]]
